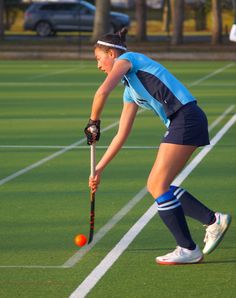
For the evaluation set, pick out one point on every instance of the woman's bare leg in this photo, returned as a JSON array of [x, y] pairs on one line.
[[171, 159]]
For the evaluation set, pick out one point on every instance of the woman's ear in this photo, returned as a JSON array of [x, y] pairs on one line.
[[112, 53]]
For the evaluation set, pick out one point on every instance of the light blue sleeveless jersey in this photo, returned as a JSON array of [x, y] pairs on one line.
[[150, 85]]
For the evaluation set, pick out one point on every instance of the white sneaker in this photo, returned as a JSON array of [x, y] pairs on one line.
[[181, 256], [215, 232]]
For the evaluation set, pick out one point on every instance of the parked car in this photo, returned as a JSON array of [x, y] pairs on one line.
[[48, 18]]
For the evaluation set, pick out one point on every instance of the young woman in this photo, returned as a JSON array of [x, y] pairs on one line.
[[149, 85]]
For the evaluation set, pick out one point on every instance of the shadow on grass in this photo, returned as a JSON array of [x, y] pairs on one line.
[[166, 250], [218, 262]]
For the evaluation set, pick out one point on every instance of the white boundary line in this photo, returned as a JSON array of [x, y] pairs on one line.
[[52, 73], [73, 258], [50, 157], [38, 163], [218, 85], [97, 237], [75, 147], [86, 84], [211, 74], [91, 280], [221, 117], [34, 267], [47, 84], [214, 123], [114, 220], [106, 228]]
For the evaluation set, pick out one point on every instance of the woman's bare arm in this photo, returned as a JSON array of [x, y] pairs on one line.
[[126, 122], [120, 68]]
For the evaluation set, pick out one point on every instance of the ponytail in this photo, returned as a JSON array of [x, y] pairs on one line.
[[122, 34], [117, 41]]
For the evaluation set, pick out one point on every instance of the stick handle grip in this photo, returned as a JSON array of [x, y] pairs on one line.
[[92, 160]]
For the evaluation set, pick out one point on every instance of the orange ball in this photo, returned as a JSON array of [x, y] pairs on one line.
[[80, 240]]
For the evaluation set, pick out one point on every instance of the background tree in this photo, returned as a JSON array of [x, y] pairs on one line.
[[141, 20], [102, 19], [1, 19], [11, 9], [216, 22], [166, 16], [200, 15], [177, 16]]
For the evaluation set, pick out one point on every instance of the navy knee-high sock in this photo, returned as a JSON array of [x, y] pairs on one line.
[[192, 207], [171, 212]]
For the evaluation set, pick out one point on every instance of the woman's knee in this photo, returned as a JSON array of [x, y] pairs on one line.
[[156, 187]]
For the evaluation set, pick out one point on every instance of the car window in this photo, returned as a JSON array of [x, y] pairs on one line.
[[59, 6], [67, 6], [83, 9], [47, 7]]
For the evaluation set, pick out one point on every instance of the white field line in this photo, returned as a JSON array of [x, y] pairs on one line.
[[219, 119], [102, 232], [54, 155], [107, 227], [86, 84], [116, 218], [213, 124], [50, 157], [97, 237], [52, 73], [91, 280], [33, 267], [47, 84], [40, 162], [55, 84], [211, 74], [219, 84], [75, 147]]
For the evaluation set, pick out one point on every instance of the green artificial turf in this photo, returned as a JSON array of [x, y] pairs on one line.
[[47, 103]]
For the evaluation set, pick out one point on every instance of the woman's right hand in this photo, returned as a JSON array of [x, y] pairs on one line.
[[92, 131], [94, 182]]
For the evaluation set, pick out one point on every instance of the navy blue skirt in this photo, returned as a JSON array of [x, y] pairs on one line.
[[188, 126]]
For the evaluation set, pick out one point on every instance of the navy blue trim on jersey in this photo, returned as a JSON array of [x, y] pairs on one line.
[[151, 86], [160, 92]]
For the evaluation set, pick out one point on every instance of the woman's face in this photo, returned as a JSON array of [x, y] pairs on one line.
[[105, 60]]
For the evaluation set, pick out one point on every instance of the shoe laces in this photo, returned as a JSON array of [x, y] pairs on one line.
[[178, 251], [211, 232]]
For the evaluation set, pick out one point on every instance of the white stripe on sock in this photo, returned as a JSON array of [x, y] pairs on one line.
[[168, 208], [168, 203], [180, 194], [177, 191]]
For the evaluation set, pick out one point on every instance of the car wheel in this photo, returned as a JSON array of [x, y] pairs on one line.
[[53, 33], [44, 29]]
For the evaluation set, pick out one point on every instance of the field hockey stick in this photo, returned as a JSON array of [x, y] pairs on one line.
[[92, 194]]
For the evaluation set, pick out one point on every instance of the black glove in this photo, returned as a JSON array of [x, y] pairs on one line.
[[90, 136]]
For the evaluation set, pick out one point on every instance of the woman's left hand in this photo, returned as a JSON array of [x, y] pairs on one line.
[[94, 181]]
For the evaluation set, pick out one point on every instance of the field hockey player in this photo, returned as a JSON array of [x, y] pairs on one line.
[[151, 86]]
